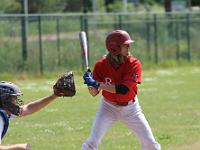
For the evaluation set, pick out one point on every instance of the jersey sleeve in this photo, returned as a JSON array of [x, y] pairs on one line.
[[133, 76], [134, 73]]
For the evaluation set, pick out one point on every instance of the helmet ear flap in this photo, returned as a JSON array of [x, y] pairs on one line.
[[115, 47], [113, 44]]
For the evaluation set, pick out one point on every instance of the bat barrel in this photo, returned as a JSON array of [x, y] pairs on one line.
[[84, 46]]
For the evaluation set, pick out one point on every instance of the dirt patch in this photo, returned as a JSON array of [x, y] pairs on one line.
[[45, 37]]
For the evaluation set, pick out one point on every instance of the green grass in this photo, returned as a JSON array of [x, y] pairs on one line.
[[169, 98]]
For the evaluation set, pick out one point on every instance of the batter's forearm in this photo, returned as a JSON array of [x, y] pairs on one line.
[[109, 88], [93, 91]]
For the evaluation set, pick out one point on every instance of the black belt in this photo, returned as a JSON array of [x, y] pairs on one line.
[[122, 103]]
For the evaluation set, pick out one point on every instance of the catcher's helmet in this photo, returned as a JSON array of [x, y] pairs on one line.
[[9, 90], [115, 39]]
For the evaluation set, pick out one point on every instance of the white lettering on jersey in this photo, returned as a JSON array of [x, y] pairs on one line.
[[108, 81]]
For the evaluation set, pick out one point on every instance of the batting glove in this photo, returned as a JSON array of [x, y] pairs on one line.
[[88, 79]]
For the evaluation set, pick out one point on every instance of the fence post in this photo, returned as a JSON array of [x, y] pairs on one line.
[[115, 22], [155, 38], [85, 25], [188, 36], [40, 45], [119, 21], [24, 29], [177, 39], [82, 28], [58, 38], [81, 22], [24, 41], [148, 37]]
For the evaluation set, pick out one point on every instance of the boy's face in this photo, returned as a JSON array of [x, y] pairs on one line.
[[125, 49], [14, 99], [12, 106]]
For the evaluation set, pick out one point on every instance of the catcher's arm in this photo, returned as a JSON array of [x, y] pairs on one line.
[[37, 105], [64, 86]]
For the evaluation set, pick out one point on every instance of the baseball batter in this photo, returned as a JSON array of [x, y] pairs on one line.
[[117, 75]]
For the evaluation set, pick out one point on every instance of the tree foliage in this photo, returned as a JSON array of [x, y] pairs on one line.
[[58, 6]]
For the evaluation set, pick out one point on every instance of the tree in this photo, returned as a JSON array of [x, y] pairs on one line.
[[168, 5], [11, 6], [107, 4], [195, 3]]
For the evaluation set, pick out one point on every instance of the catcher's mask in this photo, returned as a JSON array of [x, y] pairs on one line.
[[115, 39], [10, 97]]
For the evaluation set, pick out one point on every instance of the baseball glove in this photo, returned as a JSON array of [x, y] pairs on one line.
[[65, 85]]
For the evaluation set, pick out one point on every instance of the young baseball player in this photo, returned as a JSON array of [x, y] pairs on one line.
[[11, 107], [117, 75]]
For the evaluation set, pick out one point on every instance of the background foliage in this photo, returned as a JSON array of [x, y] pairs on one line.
[[52, 6]]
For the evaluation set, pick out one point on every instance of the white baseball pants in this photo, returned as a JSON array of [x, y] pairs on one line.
[[131, 115]]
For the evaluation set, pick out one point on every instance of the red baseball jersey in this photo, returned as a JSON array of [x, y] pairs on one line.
[[129, 73]]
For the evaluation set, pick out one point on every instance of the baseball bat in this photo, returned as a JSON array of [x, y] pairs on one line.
[[84, 47]]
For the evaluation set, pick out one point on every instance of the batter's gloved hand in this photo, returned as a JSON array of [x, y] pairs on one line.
[[88, 79]]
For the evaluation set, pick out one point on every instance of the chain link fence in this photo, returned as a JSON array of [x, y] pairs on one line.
[[52, 40]]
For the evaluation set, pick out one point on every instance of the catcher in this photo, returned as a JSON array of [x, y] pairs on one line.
[[11, 106]]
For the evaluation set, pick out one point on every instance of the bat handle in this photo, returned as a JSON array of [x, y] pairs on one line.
[[88, 69]]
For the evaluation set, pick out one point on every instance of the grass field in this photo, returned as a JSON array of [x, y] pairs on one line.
[[169, 98]]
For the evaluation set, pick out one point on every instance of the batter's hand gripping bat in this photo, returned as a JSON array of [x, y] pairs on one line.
[[84, 47]]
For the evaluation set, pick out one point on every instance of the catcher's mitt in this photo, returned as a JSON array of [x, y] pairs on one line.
[[65, 85]]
